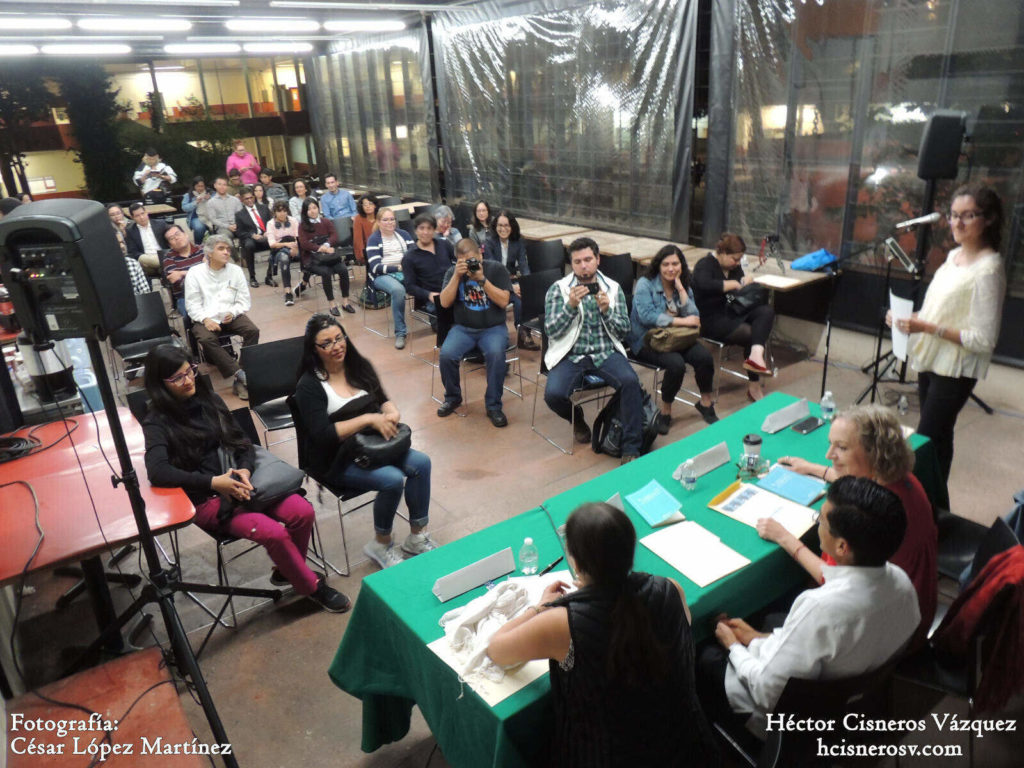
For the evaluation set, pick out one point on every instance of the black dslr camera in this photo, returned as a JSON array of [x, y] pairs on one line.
[[472, 264]]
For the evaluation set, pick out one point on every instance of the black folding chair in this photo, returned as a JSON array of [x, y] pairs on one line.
[[270, 377]]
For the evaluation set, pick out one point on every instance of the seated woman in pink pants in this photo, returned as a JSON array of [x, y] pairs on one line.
[[185, 428]]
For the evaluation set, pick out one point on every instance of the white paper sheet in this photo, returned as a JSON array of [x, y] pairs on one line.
[[748, 504], [901, 310], [777, 281], [695, 552]]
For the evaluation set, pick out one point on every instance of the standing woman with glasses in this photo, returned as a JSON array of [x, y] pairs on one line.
[[955, 331], [187, 430], [338, 394]]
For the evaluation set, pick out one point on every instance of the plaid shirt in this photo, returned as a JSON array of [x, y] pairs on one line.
[[140, 283], [594, 340]]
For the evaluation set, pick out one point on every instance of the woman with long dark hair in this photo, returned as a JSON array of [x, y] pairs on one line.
[[663, 298], [317, 243], [958, 325], [480, 223], [505, 244], [716, 279], [339, 394], [194, 205], [363, 224], [621, 654], [187, 429]]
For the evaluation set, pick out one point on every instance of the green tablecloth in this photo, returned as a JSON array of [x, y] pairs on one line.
[[383, 659]]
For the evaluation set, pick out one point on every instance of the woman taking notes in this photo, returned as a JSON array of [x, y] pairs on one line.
[[663, 299], [957, 328], [621, 655], [187, 428], [867, 441]]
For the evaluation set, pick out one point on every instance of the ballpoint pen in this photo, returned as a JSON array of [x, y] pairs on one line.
[[548, 569]]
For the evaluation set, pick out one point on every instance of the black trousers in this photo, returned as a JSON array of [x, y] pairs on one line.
[[337, 268], [942, 399], [249, 249], [756, 328], [674, 364]]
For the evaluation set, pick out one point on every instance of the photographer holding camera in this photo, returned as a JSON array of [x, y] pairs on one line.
[[586, 321], [477, 291]]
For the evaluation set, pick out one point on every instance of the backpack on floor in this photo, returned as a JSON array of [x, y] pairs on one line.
[[606, 435], [373, 299]]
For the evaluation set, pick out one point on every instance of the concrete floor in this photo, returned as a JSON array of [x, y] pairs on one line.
[[268, 677]]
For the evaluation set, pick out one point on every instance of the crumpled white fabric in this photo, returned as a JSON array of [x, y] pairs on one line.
[[469, 629]]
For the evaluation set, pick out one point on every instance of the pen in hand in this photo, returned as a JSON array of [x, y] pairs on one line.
[[550, 567]]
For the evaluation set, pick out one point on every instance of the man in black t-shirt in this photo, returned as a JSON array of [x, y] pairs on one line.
[[477, 291]]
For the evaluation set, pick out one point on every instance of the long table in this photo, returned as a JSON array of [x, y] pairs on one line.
[[383, 658]]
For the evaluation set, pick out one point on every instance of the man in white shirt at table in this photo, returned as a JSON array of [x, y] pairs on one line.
[[861, 617], [216, 300]]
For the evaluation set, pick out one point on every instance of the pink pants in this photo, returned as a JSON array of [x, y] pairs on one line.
[[285, 544]]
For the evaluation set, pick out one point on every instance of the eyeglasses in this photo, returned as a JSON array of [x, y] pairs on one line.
[[967, 217], [327, 346], [180, 378]]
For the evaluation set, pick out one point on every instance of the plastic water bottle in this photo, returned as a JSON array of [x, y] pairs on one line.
[[689, 475], [902, 405], [528, 557], [744, 263], [828, 406]]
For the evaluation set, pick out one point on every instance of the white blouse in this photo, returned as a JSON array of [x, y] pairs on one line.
[[969, 299], [335, 401]]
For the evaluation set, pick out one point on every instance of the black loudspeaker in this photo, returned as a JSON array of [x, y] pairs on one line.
[[64, 269], [939, 155]]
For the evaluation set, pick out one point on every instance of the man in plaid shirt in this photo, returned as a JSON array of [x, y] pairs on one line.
[[585, 318]]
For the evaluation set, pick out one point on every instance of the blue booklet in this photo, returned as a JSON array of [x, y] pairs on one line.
[[655, 505], [792, 485]]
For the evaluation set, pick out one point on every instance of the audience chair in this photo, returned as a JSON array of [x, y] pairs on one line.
[[471, 363], [533, 289], [463, 215], [421, 315], [620, 269], [866, 694], [385, 201], [270, 377], [340, 494], [386, 309], [149, 329], [542, 255], [959, 542], [592, 389]]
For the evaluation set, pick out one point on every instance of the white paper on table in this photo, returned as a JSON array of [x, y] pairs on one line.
[[748, 504], [777, 281], [901, 309], [695, 552], [514, 680]]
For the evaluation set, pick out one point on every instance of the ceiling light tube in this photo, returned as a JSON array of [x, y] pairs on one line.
[[17, 49], [362, 25], [188, 49], [362, 6], [277, 48], [86, 49], [275, 26], [34, 22], [116, 24]]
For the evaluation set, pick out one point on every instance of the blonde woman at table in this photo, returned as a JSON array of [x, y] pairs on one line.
[[958, 325], [188, 429], [621, 655], [867, 441]]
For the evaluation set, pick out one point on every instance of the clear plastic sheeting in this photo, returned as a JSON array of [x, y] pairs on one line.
[[569, 112], [825, 104], [369, 115]]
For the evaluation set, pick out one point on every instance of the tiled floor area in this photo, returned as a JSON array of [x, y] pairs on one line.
[[268, 677]]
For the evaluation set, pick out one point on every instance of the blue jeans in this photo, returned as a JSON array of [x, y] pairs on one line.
[[517, 308], [388, 482], [198, 230], [616, 371], [492, 342], [396, 290]]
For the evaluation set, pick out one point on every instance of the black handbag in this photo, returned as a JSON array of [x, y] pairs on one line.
[[326, 259], [272, 478], [748, 297], [369, 449]]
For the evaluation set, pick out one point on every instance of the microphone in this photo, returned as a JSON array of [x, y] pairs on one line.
[[931, 218]]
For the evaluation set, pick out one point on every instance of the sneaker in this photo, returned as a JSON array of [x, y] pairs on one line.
[[418, 543], [270, 281], [498, 418], [330, 599], [627, 458], [299, 289], [399, 342], [241, 391], [384, 555], [289, 300], [254, 283], [278, 579], [448, 407], [708, 412], [580, 430], [664, 422]]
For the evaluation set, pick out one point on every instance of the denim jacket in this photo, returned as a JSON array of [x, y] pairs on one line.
[[650, 310]]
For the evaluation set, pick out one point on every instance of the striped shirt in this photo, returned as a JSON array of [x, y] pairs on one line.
[[174, 262]]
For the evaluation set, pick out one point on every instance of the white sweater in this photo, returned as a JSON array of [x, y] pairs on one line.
[[216, 294]]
